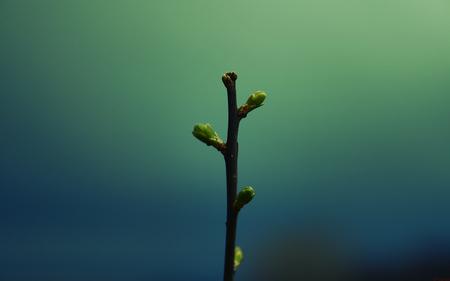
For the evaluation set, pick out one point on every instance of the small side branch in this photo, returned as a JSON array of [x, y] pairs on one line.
[[221, 147]]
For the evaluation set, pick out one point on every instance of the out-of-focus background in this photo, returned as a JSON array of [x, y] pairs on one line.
[[101, 179]]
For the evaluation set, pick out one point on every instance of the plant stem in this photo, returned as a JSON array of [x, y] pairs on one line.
[[231, 157]]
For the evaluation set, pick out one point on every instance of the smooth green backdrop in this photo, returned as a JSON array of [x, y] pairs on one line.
[[101, 177]]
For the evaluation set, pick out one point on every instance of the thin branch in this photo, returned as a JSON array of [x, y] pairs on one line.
[[231, 156]]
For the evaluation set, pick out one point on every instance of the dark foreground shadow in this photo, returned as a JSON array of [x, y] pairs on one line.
[[314, 257]]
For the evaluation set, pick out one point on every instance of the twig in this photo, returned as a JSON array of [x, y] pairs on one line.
[[231, 157], [205, 133]]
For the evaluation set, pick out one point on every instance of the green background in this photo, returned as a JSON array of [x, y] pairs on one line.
[[101, 177]]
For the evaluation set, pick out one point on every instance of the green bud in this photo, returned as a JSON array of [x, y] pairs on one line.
[[244, 197], [205, 133], [238, 257], [256, 99]]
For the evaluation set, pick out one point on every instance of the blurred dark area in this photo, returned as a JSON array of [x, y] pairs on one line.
[[314, 255]]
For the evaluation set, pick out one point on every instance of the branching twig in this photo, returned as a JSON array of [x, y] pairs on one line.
[[235, 202], [231, 156]]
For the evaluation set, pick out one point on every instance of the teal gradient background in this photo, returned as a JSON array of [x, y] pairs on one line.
[[101, 178]]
